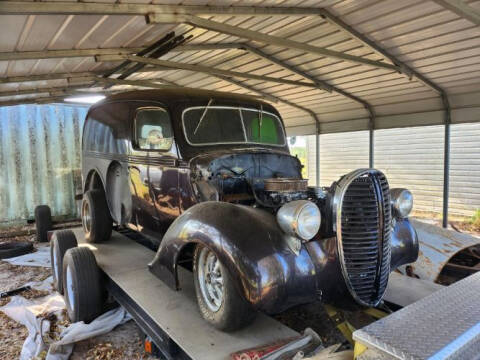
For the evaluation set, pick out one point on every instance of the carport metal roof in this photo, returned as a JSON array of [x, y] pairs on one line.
[[331, 65], [362, 63]]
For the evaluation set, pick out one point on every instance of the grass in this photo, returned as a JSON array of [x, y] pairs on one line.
[[475, 220]]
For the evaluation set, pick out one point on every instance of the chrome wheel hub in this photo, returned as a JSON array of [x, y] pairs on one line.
[[210, 279], [86, 217]]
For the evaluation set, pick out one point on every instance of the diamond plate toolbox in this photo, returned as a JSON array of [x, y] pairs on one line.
[[443, 325]]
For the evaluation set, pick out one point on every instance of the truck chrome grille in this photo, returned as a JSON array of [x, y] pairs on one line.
[[363, 231]]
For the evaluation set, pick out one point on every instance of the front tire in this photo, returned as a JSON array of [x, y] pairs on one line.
[[82, 285], [96, 220], [217, 297], [62, 241]]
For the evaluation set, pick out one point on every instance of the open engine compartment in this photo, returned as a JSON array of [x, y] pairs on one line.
[[255, 178]]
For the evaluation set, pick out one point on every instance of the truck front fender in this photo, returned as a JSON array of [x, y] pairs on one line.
[[404, 244], [252, 248]]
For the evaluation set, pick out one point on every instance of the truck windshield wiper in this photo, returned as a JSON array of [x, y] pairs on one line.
[[203, 115], [260, 125]]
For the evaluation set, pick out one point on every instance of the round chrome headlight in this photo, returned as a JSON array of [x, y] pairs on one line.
[[402, 202], [300, 218]]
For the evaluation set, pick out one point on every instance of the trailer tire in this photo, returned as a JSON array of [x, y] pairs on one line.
[[43, 222], [62, 241], [96, 220], [82, 284], [234, 312], [15, 248]]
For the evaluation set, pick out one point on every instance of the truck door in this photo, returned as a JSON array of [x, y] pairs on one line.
[[153, 171]]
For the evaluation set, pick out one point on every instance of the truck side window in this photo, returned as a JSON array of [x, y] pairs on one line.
[[153, 130]]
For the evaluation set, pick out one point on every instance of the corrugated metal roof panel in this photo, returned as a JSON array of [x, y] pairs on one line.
[[431, 39]]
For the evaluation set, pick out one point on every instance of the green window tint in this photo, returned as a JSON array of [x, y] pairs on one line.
[[262, 130]]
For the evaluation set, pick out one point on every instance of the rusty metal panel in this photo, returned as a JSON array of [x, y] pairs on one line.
[[39, 154], [437, 247]]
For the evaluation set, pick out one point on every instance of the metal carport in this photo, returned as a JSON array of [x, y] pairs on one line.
[[330, 66]]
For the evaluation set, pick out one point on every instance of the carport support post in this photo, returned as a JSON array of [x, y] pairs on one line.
[[371, 147], [317, 154], [446, 160], [371, 134]]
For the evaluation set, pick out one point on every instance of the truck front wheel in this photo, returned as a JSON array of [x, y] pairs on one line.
[[96, 220], [217, 297]]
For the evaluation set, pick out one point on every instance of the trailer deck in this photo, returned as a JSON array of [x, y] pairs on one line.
[[164, 314]]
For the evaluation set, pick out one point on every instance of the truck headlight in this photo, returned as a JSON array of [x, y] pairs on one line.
[[402, 202], [300, 218]]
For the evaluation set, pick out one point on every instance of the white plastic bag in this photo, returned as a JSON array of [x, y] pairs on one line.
[[27, 311], [62, 349]]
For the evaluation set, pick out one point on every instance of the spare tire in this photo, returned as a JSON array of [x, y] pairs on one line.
[[43, 222], [15, 248]]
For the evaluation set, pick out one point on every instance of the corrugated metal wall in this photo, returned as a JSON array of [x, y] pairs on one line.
[[340, 153], [411, 158], [39, 152], [465, 168]]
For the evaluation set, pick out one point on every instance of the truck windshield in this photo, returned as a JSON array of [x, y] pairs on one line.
[[212, 125]]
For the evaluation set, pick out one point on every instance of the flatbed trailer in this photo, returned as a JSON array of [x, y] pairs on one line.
[[172, 321], [171, 318]]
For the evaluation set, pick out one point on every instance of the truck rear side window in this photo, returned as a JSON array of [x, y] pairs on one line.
[[153, 129]]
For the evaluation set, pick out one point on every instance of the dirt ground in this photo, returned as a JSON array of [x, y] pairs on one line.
[[461, 224], [123, 342]]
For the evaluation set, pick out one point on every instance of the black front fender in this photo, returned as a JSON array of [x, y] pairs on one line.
[[250, 245], [404, 243]]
